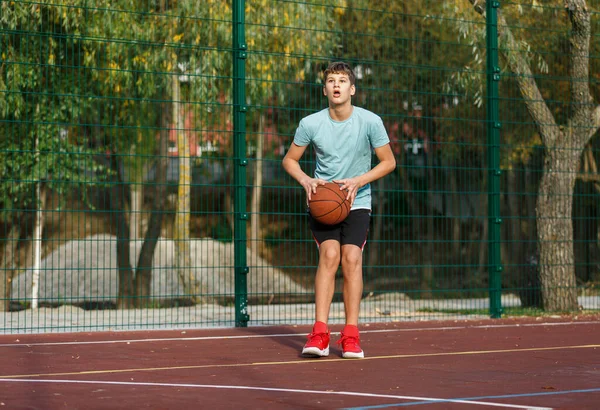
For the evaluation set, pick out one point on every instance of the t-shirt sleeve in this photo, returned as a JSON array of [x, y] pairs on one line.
[[302, 137], [378, 134]]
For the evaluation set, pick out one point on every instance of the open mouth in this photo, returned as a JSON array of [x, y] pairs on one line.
[[336, 93]]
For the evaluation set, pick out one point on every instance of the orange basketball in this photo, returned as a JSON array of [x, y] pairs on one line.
[[329, 205]]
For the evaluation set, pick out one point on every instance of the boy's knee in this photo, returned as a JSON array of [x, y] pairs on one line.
[[351, 260], [330, 257]]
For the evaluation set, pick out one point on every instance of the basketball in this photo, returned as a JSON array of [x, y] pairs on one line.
[[329, 205]]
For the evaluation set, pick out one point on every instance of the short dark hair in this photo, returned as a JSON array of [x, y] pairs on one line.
[[339, 67]]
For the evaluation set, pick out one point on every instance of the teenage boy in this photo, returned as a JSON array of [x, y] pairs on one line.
[[343, 137]]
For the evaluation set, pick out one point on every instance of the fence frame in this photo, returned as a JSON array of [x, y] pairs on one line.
[[241, 269], [493, 151]]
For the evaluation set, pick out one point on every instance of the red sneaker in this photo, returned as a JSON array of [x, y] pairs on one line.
[[318, 341], [351, 343]]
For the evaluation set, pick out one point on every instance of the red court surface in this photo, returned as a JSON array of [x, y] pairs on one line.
[[533, 363]]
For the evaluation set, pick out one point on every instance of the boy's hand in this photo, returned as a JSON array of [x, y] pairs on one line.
[[351, 186], [310, 186]]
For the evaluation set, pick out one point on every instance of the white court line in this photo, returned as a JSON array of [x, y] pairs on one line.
[[200, 338], [274, 389]]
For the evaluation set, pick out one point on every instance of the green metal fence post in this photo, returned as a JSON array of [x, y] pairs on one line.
[[240, 163], [494, 173]]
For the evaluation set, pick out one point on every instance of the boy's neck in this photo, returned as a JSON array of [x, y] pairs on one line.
[[340, 112]]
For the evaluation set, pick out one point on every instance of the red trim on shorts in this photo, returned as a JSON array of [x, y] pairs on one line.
[[362, 248], [317, 242]]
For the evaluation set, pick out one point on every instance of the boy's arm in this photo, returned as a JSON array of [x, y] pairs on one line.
[[387, 163], [291, 164]]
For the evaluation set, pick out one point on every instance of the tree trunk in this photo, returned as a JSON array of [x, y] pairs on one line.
[[137, 198], [135, 213], [117, 208], [483, 238], [143, 275], [187, 277], [455, 206], [427, 278], [555, 229], [37, 244], [255, 237], [8, 265]]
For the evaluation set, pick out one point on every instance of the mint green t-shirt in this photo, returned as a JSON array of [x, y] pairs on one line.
[[343, 148]]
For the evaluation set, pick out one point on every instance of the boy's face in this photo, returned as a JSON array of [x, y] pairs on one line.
[[338, 88]]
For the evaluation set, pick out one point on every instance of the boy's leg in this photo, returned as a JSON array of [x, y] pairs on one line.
[[353, 287], [329, 261], [353, 239], [353, 282]]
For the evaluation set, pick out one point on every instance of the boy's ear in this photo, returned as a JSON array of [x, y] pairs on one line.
[[353, 90]]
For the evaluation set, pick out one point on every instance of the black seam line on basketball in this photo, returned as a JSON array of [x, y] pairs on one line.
[[337, 201], [339, 218], [312, 201], [337, 192], [338, 207], [305, 361], [334, 209]]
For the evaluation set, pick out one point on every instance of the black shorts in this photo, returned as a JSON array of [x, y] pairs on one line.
[[351, 231]]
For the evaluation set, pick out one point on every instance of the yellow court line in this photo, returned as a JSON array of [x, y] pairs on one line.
[[303, 361]]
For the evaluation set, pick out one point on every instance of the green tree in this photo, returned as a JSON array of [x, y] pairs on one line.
[[564, 142], [153, 46], [39, 107], [125, 87]]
